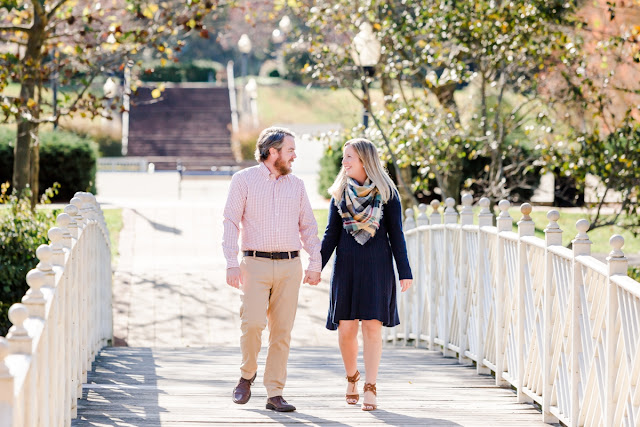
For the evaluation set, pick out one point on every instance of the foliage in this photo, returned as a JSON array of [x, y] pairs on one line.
[[67, 159], [75, 41], [244, 143], [615, 159], [492, 52], [106, 133], [22, 230]]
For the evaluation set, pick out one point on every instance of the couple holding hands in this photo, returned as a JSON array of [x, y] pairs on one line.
[[271, 211]]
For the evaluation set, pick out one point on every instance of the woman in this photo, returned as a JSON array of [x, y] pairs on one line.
[[365, 225]]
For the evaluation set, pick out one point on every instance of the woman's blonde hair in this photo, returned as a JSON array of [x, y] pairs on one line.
[[368, 155]]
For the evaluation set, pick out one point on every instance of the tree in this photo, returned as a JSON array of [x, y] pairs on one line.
[[76, 41], [467, 77]]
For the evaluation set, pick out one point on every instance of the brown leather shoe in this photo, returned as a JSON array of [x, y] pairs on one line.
[[277, 403], [242, 391]]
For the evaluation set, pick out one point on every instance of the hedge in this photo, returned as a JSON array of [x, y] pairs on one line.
[[65, 158], [180, 73]]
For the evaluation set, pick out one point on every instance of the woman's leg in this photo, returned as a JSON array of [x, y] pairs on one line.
[[348, 339], [372, 343]]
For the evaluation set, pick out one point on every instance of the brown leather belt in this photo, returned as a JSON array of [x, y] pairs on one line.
[[273, 255]]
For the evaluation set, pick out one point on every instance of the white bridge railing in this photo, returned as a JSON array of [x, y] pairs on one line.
[[62, 322], [555, 323]]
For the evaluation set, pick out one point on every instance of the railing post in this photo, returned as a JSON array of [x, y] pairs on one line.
[[552, 237], [450, 272], [6, 386], [434, 281], [423, 218], [18, 336], [581, 246], [409, 224], [485, 219], [466, 218], [526, 227], [505, 223], [617, 265]]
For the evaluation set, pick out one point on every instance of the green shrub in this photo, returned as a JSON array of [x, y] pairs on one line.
[[65, 158], [21, 232]]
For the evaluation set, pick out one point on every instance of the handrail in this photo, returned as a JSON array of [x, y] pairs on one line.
[[64, 319], [555, 323]]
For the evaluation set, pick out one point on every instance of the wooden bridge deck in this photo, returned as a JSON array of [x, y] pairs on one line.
[[192, 387]]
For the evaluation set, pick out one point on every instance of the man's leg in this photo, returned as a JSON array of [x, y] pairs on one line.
[[281, 313], [257, 279]]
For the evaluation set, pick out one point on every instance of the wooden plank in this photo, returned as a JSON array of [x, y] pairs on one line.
[[142, 386]]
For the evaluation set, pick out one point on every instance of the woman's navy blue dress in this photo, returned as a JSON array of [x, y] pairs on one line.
[[363, 285]]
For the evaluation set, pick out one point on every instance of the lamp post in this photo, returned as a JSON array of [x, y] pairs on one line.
[[244, 46], [252, 91], [366, 51]]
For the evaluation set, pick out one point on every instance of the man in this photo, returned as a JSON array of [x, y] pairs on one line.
[[274, 210]]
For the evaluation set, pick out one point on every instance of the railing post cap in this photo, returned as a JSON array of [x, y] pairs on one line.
[[44, 253], [63, 219], [435, 204], [504, 205], [18, 313], [582, 225], [422, 207], [408, 213], [72, 209], [617, 242], [55, 234], [467, 200], [526, 209], [484, 202], [553, 215], [35, 278], [450, 203]]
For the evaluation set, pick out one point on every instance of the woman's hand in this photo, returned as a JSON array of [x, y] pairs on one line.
[[405, 284]]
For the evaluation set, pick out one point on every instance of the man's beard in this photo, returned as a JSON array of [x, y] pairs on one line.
[[281, 166]]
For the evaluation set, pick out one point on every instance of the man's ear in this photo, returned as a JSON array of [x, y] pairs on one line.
[[273, 151]]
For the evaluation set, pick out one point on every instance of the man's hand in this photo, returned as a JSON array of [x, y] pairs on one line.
[[234, 277], [311, 277], [405, 284]]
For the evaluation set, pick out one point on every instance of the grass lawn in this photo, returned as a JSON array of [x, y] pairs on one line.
[[599, 237]]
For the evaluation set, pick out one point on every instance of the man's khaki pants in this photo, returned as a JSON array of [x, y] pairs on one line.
[[270, 293]]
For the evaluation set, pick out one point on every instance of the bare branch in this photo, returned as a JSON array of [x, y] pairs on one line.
[[55, 8], [15, 28]]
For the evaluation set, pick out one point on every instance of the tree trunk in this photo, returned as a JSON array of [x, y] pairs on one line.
[[22, 164], [35, 169]]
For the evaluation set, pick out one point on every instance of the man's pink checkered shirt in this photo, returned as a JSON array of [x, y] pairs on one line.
[[275, 215]]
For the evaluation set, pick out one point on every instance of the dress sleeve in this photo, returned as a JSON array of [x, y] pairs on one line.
[[331, 233], [393, 218]]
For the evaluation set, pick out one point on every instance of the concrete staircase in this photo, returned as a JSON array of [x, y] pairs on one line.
[[189, 124]]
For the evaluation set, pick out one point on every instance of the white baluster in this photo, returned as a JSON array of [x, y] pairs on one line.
[[617, 265], [450, 214], [423, 218], [6, 386], [466, 215], [64, 221], [45, 255], [409, 221], [526, 228], [485, 218], [435, 218], [34, 298], [18, 336], [72, 211], [505, 223]]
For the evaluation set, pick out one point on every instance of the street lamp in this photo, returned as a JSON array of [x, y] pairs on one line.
[[365, 52], [244, 46], [251, 89]]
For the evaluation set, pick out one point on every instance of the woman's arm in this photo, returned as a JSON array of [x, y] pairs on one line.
[[331, 233], [393, 218]]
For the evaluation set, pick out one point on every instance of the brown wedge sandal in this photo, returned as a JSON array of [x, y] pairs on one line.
[[352, 395], [368, 406]]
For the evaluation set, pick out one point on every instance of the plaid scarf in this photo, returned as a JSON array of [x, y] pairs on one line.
[[361, 210]]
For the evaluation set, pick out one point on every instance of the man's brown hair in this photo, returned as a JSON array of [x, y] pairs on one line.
[[272, 137]]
